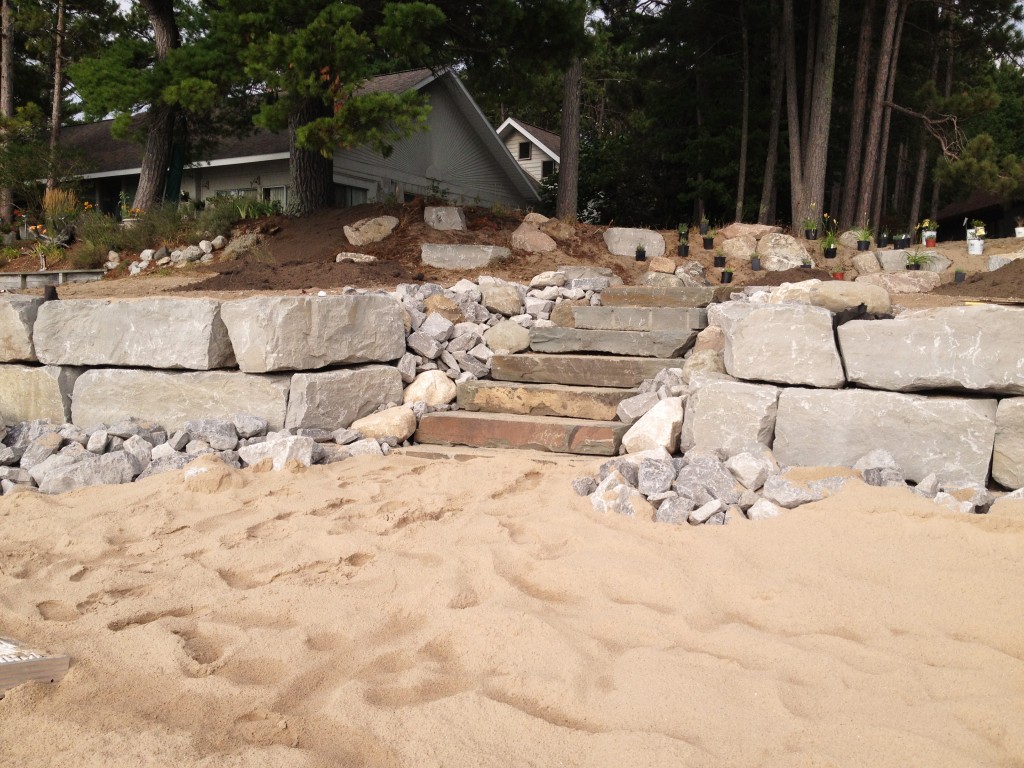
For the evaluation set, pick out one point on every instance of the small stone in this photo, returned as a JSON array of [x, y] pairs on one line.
[[675, 510], [98, 441], [762, 509], [655, 476], [786, 493], [584, 486], [705, 511]]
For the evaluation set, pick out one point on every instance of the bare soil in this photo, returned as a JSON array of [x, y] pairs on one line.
[[298, 256]]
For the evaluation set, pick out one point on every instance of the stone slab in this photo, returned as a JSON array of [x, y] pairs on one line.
[[30, 392], [333, 399], [639, 318], [647, 296], [17, 317], [1008, 457], [302, 333], [462, 256], [952, 437], [144, 333], [729, 417], [622, 241], [903, 282], [555, 340], [537, 433], [583, 370], [171, 399], [973, 348], [595, 403]]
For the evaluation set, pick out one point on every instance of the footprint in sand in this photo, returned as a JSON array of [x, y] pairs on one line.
[[55, 610], [266, 729]]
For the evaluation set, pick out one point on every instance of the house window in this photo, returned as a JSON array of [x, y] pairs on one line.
[[525, 150], [346, 196], [236, 193], [277, 195], [547, 168]]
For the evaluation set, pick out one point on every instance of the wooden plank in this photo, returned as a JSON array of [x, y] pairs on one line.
[[20, 664]]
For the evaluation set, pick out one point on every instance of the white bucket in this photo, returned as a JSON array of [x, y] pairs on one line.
[[975, 247], [1018, 231]]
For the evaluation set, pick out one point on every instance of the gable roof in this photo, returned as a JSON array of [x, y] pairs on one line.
[[548, 142]]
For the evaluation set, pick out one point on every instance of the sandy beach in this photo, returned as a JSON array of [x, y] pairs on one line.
[[468, 609]]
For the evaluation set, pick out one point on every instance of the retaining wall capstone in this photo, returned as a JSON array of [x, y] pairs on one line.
[[17, 317], [30, 392]]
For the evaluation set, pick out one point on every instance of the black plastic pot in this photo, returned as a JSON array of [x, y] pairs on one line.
[[830, 253], [913, 267], [719, 261], [810, 234], [703, 228], [726, 276], [709, 243], [863, 245], [641, 255], [959, 277], [805, 266], [903, 242], [755, 264], [883, 239], [683, 250]]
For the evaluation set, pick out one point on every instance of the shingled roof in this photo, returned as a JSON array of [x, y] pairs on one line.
[[550, 141]]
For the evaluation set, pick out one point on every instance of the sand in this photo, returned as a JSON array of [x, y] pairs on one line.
[[472, 611]]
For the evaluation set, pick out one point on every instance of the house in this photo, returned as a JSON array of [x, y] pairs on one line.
[[999, 213], [536, 150], [459, 156]]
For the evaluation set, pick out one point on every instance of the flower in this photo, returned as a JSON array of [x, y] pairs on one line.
[[87, 205], [928, 224]]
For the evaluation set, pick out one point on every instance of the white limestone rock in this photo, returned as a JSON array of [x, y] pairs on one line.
[[903, 282], [839, 295], [506, 337], [332, 399], [367, 231], [462, 256], [1008, 456], [431, 387], [447, 218], [145, 333], [729, 416], [29, 392], [780, 252], [622, 241], [17, 318], [762, 509], [951, 437], [973, 348], [280, 452], [658, 428], [302, 333], [398, 423]]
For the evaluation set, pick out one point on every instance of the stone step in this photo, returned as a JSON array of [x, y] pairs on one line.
[[555, 340], [649, 296], [537, 433], [639, 318], [582, 370], [595, 403]]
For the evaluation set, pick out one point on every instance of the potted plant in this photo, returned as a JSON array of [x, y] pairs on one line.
[[901, 241], [810, 229], [683, 249], [976, 238], [755, 262], [641, 252], [703, 225], [929, 232], [719, 259], [709, 239], [959, 276], [726, 276], [883, 239], [830, 244], [129, 216], [864, 238], [838, 275], [1018, 231], [806, 262], [918, 259]]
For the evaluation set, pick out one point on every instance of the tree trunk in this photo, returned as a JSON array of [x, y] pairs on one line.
[[805, 118], [848, 212], [816, 141], [796, 176], [160, 137], [6, 88], [744, 119], [922, 169], [569, 157], [58, 92], [765, 212], [883, 154], [867, 182], [312, 173]]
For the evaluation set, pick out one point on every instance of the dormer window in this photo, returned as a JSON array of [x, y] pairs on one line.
[[525, 150]]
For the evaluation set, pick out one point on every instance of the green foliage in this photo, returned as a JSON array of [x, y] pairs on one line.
[[982, 167]]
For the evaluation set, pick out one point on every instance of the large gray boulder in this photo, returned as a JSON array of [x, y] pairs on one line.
[[622, 241], [367, 231], [29, 392], [783, 344], [143, 333], [977, 349], [171, 399], [301, 333], [729, 417], [780, 252], [17, 317], [334, 399], [839, 295], [951, 437], [738, 249], [462, 256], [446, 218], [1008, 457], [903, 282], [108, 469]]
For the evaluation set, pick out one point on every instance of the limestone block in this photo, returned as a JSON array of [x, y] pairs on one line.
[[332, 399], [301, 333], [507, 337], [997, 262], [973, 348], [551, 279], [711, 339], [756, 231], [662, 264], [650, 296], [280, 452], [17, 316], [693, 275], [729, 416], [658, 428], [661, 280], [432, 388], [503, 299], [739, 248], [646, 343], [839, 295], [762, 509], [892, 261], [638, 318], [171, 399], [705, 361], [444, 217], [784, 344], [622, 241], [28, 393], [462, 256], [902, 282], [794, 293], [866, 263], [145, 333], [398, 422], [936, 263], [952, 437], [366, 231], [780, 252], [1008, 458], [527, 237]]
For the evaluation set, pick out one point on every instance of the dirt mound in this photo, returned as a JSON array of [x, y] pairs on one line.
[[1004, 283]]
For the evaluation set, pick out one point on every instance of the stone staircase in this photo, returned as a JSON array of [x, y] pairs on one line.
[[562, 396]]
